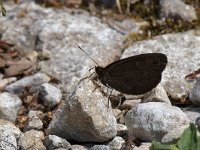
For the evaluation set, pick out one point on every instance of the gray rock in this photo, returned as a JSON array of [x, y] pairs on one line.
[[9, 106], [176, 70], [85, 116], [116, 143], [7, 140], [44, 28], [197, 122], [143, 146], [158, 94], [6, 125], [34, 123], [18, 23], [192, 112], [178, 90], [49, 95], [64, 35], [32, 140], [121, 130], [30, 81], [156, 121], [78, 147], [9, 135], [126, 26], [194, 94], [54, 142], [33, 113], [100, 147], [177, 8]]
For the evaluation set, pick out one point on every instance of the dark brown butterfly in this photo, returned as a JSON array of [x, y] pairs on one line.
[[133, 75]]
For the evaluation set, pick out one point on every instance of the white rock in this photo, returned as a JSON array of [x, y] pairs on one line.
[[154, 120], [50, 95], [9, 106]]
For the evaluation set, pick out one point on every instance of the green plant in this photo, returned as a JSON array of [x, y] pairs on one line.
[[187, 141]]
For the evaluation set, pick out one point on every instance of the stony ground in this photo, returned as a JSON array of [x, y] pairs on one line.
[[48, 102]]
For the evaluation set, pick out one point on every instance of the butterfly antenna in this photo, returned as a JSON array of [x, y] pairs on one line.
[[88, 55]]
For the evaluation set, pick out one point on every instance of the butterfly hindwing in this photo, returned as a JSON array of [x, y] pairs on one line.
[[134, 75]]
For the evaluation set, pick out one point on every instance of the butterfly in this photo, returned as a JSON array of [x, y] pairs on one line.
[[134, 75]]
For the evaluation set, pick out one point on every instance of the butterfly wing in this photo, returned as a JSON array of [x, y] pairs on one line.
[[137, 74]]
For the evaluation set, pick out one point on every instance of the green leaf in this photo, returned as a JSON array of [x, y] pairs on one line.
[[198, 141], [188, 140], [159, 146]]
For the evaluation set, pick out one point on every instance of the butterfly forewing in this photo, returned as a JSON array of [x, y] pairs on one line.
[[134, 75]]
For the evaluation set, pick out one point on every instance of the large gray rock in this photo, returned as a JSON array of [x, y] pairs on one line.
[[156, 121], [48, 29], [178, 46], [9, 106], [85, 116]]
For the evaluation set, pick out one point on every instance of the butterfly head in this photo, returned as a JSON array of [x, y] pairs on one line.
[[99, 71]]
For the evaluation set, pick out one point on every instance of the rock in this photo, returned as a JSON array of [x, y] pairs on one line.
[[176, 70], [178, 91], [46, 54], [33, 113], [16, 22], [126, 26], [197, 122], [7, 140], [54, 142], [78, 147], [100, 147], [34, 123], [6, 125], [83, 108], [128, 104], [194, 94], [177, 8], [9, 135], [32, 140], [155, 121], [49, 95], [33, 80], [192, 112], [116, 143], [9, 106], [121, 130], [158, 94], [143, 146], [6, 81]]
